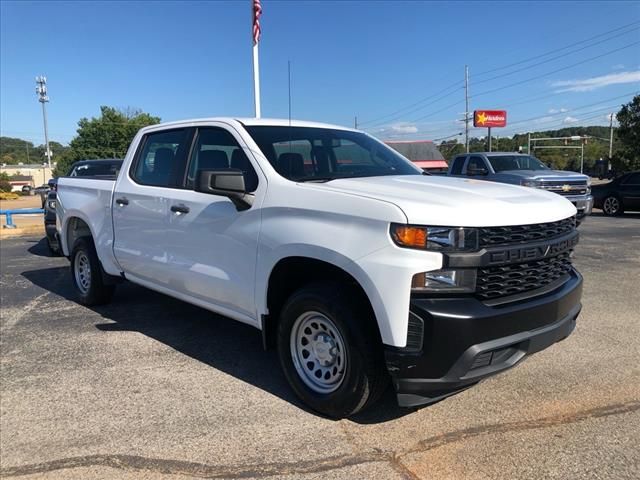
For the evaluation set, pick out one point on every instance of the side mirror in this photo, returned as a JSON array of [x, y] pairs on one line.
[[228, 183], [472, 171]]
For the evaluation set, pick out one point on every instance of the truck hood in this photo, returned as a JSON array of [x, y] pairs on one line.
[[547, 175], [447, 201]]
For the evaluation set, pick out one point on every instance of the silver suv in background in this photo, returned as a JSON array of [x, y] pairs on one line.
[[525, 170]]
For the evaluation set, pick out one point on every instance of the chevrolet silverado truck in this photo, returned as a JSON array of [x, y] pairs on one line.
[[353, 264], [528, 171]]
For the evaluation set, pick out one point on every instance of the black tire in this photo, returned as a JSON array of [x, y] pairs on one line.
[[364, 376], [612, 206], [90, 289], [53, 251]]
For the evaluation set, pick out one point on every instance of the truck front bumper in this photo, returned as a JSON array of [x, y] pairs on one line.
[[465, 340], [583, 203]]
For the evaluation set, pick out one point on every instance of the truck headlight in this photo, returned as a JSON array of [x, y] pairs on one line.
[[439, 239], [530, 183], [445, 281]]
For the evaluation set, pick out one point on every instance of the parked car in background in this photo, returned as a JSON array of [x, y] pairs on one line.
[[525, 170], [27, 190], [619, 195], [102, 169]]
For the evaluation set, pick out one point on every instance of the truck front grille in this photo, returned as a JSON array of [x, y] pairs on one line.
[[490, 236], [505, 280], [577, 187]]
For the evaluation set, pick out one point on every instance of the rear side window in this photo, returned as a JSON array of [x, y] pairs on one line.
[[217, 149], [458, 162], [162, 157]]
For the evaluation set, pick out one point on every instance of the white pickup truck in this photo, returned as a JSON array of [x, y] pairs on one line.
[[355, 265]]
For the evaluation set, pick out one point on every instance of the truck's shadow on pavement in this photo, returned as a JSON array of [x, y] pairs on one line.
[[222, 343]]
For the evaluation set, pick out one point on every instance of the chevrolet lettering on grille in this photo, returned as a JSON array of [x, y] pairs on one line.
[[533, 252]]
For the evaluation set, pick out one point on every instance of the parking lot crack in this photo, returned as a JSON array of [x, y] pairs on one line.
[[201, 470], [545, 422]]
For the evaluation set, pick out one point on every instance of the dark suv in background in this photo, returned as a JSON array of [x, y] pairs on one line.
[[525, 170]]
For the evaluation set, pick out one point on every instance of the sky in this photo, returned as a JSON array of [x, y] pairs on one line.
[[398, 66]]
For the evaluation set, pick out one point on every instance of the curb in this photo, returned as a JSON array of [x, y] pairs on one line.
[[22, 231]]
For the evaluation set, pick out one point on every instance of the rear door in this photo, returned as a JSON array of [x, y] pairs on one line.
[[141, 205], [630, 191]]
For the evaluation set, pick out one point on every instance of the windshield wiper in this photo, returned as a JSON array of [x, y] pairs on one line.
[[315, 178]]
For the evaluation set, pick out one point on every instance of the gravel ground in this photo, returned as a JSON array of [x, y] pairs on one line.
[[150, 387]]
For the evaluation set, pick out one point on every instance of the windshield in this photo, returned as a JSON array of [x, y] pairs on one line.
[[516, 162], [323, 154]]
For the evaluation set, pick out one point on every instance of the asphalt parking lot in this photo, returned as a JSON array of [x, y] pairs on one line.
[[150, 387]]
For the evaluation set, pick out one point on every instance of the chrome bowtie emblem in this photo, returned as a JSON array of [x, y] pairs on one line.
[[566, 188]]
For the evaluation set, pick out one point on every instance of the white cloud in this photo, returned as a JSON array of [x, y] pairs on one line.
[[552, 110], [589, 84], [404, 128], [544, 119], [618, 66], [570, 120]]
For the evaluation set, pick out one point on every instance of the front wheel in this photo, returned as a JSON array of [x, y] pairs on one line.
[[611, 206], [330, 350], [86, 274]]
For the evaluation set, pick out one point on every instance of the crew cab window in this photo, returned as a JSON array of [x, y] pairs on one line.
[[217, 149], [161, 158], [476, 162], [458, 162]]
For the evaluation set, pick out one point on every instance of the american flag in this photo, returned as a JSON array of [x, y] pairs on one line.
[[257, 11]]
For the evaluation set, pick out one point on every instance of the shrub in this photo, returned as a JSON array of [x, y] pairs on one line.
[[8, 196]]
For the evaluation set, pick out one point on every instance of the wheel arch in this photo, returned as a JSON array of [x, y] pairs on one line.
[[293, 272]]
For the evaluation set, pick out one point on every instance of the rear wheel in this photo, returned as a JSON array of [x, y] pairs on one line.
[[612, 206], [330, 350], [86, 274]]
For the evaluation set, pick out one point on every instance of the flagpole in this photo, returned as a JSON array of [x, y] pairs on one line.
[[256, 80], [256, 12]]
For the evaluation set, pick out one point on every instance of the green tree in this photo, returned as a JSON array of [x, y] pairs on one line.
[[629, 134], [107, 136]]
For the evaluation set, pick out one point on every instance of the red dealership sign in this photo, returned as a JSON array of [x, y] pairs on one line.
[[490, 118]]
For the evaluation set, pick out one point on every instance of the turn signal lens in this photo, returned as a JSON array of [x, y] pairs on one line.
[[438, 239], [410, 236]]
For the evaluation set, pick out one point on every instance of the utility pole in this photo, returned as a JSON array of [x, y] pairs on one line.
[[582, 155], [41, 90], [610, 136], [355, 122], [26, 144], [466, 108], [528, 144]]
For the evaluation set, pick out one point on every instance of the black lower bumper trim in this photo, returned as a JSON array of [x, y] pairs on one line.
[[466, 341]]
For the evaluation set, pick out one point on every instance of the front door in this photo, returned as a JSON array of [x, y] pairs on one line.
[[214, 246], [630, 191]]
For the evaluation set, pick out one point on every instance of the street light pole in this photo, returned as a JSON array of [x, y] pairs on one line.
[[41, 90], [466, 108]]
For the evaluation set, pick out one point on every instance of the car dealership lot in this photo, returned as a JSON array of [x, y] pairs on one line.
[[151, 387]]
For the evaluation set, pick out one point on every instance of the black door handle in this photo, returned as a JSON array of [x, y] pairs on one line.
[[122, 201], [179, 209]]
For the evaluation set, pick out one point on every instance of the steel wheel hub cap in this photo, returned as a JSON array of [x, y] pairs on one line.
[[318, 352], [82, 272]]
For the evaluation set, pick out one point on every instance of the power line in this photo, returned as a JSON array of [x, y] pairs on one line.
[[550, 52], [550, 59], [504, 87], [414, 104]]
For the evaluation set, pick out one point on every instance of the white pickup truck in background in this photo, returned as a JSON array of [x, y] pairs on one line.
[[353, 264]]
